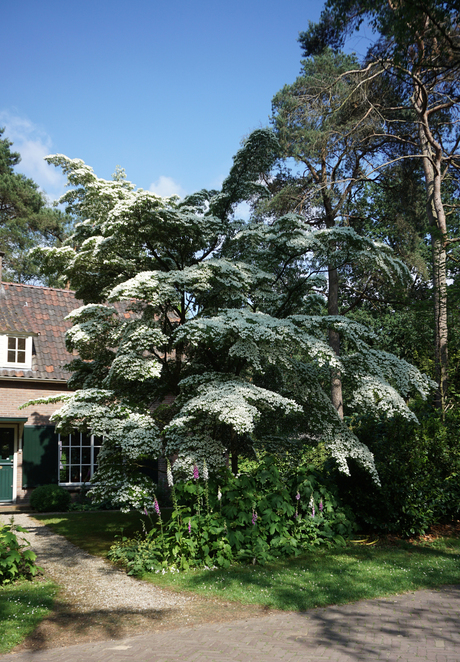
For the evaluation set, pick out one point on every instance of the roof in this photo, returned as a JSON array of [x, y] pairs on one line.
[[38, 311]]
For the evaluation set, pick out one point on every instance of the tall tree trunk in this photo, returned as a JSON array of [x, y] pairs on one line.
[[334, 340], [332, 298], [432, 163]]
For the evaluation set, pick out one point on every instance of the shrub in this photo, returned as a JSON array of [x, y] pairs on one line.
[[258, 517], [49, 498], [419, 468], [16, 560], [84, 503]]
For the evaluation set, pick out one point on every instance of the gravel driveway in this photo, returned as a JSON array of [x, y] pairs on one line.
[[89, 582]]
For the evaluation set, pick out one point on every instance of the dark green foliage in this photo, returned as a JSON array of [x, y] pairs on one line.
[[50, 498], [419, 467], [16, 560], [399, 23], [25, 220], [257, 519]]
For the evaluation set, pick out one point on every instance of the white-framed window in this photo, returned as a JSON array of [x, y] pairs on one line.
[[16, 351], [77, 457]]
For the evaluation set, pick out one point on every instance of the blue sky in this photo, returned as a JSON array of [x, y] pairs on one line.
[[166, 90]]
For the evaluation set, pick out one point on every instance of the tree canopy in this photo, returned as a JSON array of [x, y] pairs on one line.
[[183, 298], [25, 219], [416, 54]]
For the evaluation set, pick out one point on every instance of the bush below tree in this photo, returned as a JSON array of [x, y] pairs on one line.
[[250, 518], [419, 469]]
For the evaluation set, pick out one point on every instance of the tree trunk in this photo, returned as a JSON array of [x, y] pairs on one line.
[[333, 303], [432, 163], [334, 340]]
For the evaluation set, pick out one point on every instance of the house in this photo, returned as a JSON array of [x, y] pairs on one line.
[[33, 357], [32, 360]]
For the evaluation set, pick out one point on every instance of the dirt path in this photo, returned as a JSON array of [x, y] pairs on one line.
[[98, 601]]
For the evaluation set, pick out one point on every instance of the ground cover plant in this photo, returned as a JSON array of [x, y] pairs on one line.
[[16, 559], [22, 606], [253, 517], [326, 576]]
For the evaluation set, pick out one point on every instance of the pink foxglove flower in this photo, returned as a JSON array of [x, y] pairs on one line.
[[254, 517], [321, 506], [157, 507], [190, 526], [297, 496], [146, 513], [196, 473], [313, 511]]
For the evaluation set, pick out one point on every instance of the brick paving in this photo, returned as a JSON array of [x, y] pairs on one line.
[[424, 625]]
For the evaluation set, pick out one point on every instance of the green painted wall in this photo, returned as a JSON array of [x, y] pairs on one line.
[[39, 455]]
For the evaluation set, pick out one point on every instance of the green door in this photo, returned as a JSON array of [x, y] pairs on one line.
[[6, 463]]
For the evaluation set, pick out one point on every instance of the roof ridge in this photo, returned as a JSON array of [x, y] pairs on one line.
[[38, 287]]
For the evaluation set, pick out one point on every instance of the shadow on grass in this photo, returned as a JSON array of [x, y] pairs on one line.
[[324, 578], [22, 606]]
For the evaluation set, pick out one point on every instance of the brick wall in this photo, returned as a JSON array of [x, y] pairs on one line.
[[13, 394]]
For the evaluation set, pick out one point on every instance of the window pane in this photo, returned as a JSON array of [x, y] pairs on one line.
[[21, 357], [11, 357], [22, 343], [64, 475], [75, 456], [75, 475], [11, 343], [77, 452]]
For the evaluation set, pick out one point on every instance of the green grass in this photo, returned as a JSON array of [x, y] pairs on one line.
[[22, 606], [326, 577], [95, 531], [321, 577]]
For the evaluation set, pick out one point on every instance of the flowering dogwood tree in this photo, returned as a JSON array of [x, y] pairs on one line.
[[183, 298]]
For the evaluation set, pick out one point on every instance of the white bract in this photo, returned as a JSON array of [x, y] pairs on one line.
[[229, 317]]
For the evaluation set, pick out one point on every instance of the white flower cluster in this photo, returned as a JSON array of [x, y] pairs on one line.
[[210, 321], [257, 337], [235, 403], [126, 491], [130, 432]]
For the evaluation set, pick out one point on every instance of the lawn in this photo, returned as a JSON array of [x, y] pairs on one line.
[[22, 606], [324, 577], [317, 578], [95, 531]]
